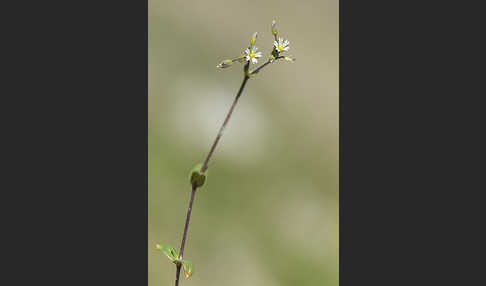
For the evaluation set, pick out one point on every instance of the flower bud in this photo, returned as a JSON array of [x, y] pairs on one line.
[[289, 59], [225, 64], [253, 39], [274, 29]]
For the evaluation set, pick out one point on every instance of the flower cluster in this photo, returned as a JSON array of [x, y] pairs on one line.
[[251, 54]]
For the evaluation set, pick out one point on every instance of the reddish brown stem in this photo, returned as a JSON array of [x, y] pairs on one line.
[[203, 169], [226, 120], [204, 166]]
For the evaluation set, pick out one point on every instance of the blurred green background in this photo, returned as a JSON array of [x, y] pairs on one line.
[[268, 213]]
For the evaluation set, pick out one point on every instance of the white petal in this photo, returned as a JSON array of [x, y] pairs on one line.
[[247, 51], [259, 54], [254, 60], [275, 44], [280, 40], [247, 58], [286, 49], [286, 42]]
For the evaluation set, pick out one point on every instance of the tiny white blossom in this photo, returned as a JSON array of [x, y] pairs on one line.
[[252, 54], [281, 45]]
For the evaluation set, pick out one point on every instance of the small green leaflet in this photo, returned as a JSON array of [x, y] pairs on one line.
[[188, 268], [168, 250]]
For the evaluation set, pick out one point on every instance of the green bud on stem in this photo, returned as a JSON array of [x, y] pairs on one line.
[[253, 39], [274, 29], [225, 64], [196, 177]]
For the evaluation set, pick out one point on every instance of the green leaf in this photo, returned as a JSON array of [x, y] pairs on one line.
[[168, 250], [188, 268], [196, 177]]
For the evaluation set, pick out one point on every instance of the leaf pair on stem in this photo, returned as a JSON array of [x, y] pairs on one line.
[[173, 255]]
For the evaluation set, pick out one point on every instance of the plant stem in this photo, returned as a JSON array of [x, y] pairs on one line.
[[204, 168], [264, 64], [188, 217], [178, 273], [221, 130], [260, 67], [186, 227]]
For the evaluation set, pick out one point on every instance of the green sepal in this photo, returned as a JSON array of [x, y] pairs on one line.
[[275, 53]]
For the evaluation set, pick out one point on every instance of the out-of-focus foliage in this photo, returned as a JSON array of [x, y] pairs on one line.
[[269, 214]]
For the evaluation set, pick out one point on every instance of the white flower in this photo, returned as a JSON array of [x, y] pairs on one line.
[[252, 54], [281, 45]]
